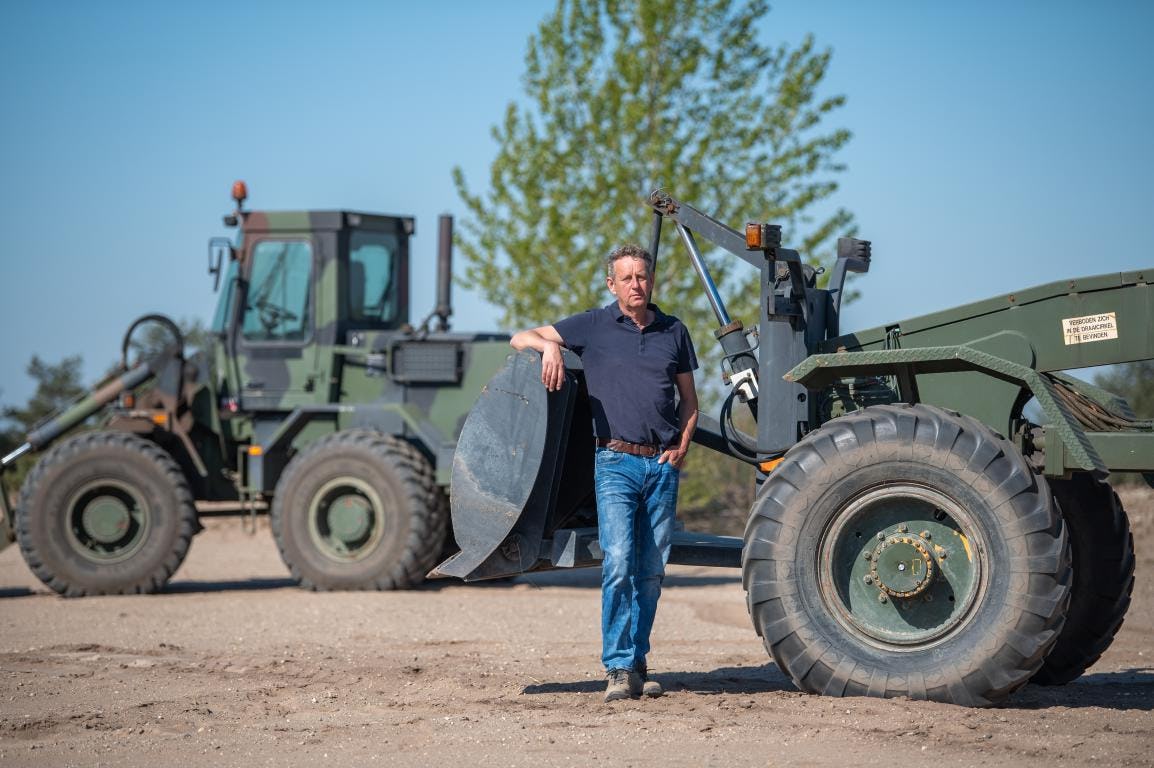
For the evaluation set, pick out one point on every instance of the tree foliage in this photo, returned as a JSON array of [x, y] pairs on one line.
[[625, 96], [57, 385], [715, 494], [1133, 381]]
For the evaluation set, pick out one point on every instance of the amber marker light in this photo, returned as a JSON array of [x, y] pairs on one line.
[[160, 419], [753, 235], [762, 236], [255, 450], [239, 192], [769, 466]]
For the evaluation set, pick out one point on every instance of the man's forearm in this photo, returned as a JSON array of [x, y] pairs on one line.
[[528, 339], [688, 419]]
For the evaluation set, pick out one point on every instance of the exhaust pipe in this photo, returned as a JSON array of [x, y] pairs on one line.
[[444, 272]]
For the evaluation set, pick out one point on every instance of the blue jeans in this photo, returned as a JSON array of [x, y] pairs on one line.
[[636, 502]]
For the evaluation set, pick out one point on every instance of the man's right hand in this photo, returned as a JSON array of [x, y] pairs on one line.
[[552, 366], [548, 342]]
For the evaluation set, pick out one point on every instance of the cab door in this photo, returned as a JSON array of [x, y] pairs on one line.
[[276, 351]]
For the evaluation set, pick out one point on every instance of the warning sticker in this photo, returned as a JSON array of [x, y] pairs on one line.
[[1079, 330]]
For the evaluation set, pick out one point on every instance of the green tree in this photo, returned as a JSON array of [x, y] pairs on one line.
[[716, 493], [56, 387], [1133, 381], [625, 96]]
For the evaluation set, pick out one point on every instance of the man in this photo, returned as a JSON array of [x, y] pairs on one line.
[[634, 357]]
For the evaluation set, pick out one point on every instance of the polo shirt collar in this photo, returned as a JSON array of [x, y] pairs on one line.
[[615, 312]]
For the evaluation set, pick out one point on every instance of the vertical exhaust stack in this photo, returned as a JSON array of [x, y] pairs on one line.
[[444, 272]]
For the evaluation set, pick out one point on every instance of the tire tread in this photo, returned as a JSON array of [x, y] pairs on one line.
[[428, 521], [1103, 550], [955, 442], [71, 450]]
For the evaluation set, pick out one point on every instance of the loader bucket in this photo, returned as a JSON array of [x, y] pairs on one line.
[[523, 468]]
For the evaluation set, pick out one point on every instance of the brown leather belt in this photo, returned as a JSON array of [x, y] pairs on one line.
[[634, 449]]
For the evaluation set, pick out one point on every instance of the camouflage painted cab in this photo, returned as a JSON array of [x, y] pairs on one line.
[[315, 399]]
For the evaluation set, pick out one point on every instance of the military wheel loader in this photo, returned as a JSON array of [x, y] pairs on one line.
[[932, 519], [315, 400]]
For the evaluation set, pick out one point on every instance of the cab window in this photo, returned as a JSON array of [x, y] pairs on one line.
[[223, 315], [278, 302], [371, 278]]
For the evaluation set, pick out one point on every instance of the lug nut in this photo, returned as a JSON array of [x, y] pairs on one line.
[[882, 597], [868, 556], [868, 579], [881, 536], [903, 528], [925, 535]]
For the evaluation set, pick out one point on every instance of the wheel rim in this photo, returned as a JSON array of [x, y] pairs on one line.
[[900, 566], [346, 519], [108, 521]]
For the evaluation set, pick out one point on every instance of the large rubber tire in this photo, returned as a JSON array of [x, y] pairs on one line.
[[968, 628], [105, 513], [359, 510], [1102, 548]]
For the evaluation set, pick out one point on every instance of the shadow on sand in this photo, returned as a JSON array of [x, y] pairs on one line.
[[1125, 689], [590, 578], [1131, 689], [6, 592], [741, 680]]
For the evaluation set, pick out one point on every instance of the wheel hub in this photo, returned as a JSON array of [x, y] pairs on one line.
[[346, 519], [898, 568], [349, 517], [106, 519], [902, 565]]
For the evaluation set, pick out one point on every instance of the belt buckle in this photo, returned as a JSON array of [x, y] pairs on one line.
[[644, 450]]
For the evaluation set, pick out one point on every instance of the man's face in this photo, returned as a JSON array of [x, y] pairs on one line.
[[631, 283]]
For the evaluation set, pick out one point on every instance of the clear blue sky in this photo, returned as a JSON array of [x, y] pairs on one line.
[[996, 145]]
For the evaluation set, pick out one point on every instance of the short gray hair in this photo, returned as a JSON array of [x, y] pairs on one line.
[[628, 251]]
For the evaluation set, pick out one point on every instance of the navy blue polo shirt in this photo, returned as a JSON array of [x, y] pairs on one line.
[[630, 373]]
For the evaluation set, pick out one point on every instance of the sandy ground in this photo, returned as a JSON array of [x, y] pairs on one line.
[[236, 666]]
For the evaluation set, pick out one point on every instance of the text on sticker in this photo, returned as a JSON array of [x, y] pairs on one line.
[[1079, 330]]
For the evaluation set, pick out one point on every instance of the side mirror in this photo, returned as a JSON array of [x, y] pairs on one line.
[[218, 249]]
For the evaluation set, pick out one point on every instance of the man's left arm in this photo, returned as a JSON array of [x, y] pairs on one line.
[[686, 416]]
